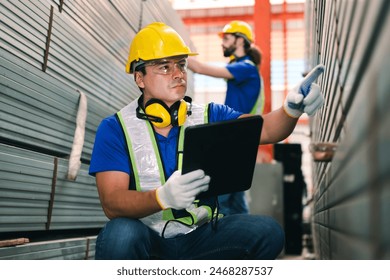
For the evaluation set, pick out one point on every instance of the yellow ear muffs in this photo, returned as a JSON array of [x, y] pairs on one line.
[[158, 109], [182, 113], [178, 113], [157, 112]]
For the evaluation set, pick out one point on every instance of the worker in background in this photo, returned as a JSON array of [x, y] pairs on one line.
[[150, 204], [244, 87]]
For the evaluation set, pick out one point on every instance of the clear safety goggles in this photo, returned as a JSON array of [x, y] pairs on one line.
[[167, 66]]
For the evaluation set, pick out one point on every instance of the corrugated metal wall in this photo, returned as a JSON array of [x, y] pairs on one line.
[[64, 249], [51, 51], [352, 191]]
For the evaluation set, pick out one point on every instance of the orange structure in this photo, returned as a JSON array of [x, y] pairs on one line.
[[274, 27]]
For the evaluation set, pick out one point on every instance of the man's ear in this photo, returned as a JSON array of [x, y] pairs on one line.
[[241, 40], [139, 79]]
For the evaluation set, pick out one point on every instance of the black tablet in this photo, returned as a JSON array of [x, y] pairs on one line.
[[226, 151]]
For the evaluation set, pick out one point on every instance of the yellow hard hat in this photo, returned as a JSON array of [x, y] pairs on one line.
[[238, 27], [156, 40]]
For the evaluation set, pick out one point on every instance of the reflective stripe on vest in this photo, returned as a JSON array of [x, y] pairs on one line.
[[148, 169], [258, 108]]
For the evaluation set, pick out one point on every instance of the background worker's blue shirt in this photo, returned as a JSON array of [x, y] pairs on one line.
[[243, 90], [110, 152]]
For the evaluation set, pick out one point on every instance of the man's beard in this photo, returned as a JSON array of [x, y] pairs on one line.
[[229, 51]]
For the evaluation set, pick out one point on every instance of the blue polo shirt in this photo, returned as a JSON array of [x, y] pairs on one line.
[[110, 150], [243, 90]]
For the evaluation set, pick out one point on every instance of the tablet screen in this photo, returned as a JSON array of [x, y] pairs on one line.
[[226, 151]]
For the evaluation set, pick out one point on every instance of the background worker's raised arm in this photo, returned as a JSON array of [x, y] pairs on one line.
[[207, 69]]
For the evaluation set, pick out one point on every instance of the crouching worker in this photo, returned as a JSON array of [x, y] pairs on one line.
[[150, 204]]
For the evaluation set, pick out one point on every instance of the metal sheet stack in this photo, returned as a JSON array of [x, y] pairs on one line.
[[64, 249], [352, 191], [50, 52]]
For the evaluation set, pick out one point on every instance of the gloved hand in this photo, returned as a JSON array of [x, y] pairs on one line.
[[179, 191], [306, 97]]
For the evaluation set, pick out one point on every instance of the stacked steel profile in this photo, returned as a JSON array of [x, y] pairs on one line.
[[51, 51], [352, 190]]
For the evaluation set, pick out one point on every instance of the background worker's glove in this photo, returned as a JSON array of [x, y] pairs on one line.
[[306, 97], [179, 191]]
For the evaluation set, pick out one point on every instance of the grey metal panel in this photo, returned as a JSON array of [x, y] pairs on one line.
[[351, 191], [353, 176], [102, 22], [84, 54], [25, 182], [352, 217], [345, 44], [65, 249], [130, 11], [90, 63], [88, 50], [26, 188], [364, 19], [100, 86], [20, 32], [76, 203], [384, 218], [345, 246], [323, 241], [35, 112]]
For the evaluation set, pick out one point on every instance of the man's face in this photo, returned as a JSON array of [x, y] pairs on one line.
[[165, 79], [228, 44]]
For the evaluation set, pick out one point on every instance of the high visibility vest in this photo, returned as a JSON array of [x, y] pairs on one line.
[[258, 108], [148, 170]]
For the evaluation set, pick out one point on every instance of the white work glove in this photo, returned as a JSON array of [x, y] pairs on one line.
[[179, 191], [306, 97]]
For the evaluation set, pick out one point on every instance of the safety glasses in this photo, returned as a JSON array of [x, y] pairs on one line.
[[166, 66]]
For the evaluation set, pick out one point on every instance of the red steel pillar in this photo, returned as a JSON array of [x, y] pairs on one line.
[[262, 30]]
